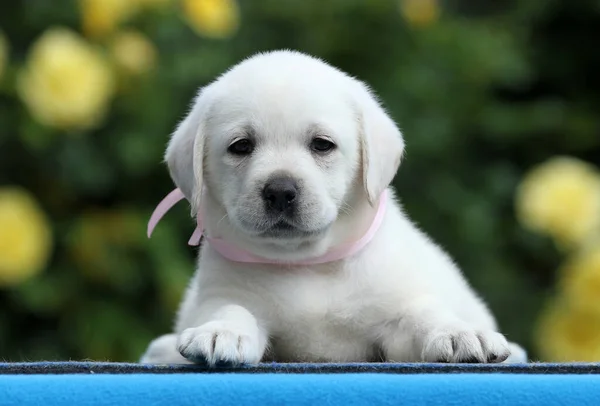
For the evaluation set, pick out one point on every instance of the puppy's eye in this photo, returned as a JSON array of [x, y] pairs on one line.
[[241, 147], [321, 145]]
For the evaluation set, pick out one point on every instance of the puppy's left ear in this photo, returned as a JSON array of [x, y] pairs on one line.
[[382, 144]]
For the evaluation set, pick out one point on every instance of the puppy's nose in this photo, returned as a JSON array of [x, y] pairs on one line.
[[280, 193]]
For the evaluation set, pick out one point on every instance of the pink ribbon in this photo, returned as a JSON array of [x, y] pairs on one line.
[[236, 254]]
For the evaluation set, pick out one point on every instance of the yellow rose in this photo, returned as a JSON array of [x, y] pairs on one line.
[[66, 83], [212, 18], [579, 279], [25, 237], [102, 17], [3, 53], [564, 334], [561, 197], [420, 13], [133, 52]]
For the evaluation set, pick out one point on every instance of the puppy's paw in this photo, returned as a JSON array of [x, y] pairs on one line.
[[163, 350], [460, 344], [517, 355], [219, 343]]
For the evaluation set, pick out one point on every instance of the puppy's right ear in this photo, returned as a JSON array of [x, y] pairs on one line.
[[185, 153]]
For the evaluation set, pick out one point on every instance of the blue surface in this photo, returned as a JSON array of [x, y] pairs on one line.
[[72, 367], [88, 383], [291, 389]]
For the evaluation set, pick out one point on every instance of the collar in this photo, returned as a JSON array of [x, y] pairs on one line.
[[233, 253]]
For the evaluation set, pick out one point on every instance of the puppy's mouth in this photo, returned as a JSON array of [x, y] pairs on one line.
[[283, 226], [285, 229]]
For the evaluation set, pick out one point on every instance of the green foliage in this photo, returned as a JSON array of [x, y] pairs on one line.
[[481, 95]]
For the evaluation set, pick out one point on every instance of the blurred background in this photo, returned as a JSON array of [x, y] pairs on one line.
[[499, 103]]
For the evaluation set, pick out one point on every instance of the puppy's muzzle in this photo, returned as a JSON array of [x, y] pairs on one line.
[[280, 195]]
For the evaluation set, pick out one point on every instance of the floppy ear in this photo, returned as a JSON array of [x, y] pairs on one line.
[[382, 145], [185, 152]]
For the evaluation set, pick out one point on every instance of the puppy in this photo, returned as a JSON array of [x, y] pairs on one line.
[[286, 158]]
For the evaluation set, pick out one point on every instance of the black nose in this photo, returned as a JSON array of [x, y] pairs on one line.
[[280, 193]]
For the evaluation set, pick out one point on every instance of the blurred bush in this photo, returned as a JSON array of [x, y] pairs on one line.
[[484, 92]]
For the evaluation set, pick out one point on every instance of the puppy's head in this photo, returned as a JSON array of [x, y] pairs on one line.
[[285, 144]]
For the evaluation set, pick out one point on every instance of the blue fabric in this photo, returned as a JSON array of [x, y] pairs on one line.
[[292, 389], [296, 368], [88, 383]]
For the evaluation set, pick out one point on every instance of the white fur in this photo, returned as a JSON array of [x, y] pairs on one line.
[[400, 299]]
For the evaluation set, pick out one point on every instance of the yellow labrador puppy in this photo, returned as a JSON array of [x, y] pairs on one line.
[[308, 257]]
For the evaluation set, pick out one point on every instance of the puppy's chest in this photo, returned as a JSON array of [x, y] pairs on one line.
[[314, 300], [321, 318]]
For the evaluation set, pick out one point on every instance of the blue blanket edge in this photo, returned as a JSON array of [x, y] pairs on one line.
[[108, 383], [89, 367]]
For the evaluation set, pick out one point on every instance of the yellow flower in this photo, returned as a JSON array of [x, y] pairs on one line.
[[66, 83], [561, 197], [420, 13], [212, 18], [580, 279], [133, 52], [102, 17], [3, 53], [25, 237], [564, 334]]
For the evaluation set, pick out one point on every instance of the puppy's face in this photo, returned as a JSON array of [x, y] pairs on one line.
[[281, 142], [281, 160]]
